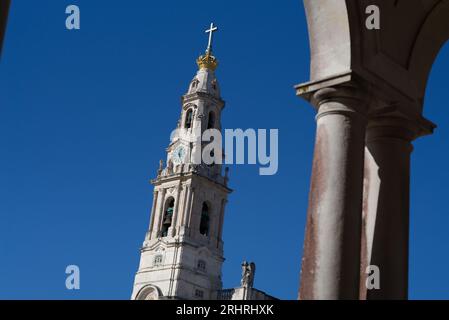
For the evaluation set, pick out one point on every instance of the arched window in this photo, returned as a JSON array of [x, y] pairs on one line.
[[211, 121], [168, 215], [189, 116], [204, 224], [194, 83]]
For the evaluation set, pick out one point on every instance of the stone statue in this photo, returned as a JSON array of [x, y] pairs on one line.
[[170, 167], [248, 272], [161, 167]]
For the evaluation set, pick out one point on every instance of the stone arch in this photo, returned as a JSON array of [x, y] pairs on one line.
[[431, 172], [395, 60], [431, 38], [189, 105], [373, 81], [330, 38], [149, 292]]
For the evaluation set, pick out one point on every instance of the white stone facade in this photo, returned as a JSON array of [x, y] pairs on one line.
[[182, 254], [184, 264]]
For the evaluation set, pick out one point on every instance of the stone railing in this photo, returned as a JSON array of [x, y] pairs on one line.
[[225, 294]]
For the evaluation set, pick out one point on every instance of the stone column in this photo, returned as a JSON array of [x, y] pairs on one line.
[[185, 219], [331, 257], [189, 215], [221, 220], [153, 213], [185, 209], [159, 214], [174, 224], [385, 235], [182, 207]]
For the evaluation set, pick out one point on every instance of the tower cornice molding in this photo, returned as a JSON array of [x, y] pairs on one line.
[[184, 177], [184, 240]]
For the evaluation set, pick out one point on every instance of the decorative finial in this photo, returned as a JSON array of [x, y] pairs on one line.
[[208, 61]]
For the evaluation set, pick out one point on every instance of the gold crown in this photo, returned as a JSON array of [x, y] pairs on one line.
[[207, 61]]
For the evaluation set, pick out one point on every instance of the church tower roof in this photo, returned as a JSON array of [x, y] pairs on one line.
[[205, 80]]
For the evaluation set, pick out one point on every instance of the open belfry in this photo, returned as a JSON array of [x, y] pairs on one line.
[[182, 255]]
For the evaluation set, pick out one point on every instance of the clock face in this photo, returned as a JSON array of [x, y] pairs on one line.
[[179, 155]]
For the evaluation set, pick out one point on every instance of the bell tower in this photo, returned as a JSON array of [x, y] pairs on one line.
[[182, 254]]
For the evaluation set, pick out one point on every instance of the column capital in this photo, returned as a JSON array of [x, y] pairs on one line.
[[381, 128], [342, 93], [347, 99], [393, 124]]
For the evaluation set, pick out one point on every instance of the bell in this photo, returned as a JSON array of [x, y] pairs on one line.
[[167, 217], [167, 220]]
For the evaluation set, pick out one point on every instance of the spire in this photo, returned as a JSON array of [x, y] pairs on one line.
[[208, 61]]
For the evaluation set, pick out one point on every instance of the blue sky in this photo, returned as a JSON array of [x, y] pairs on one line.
[[86, 115]]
